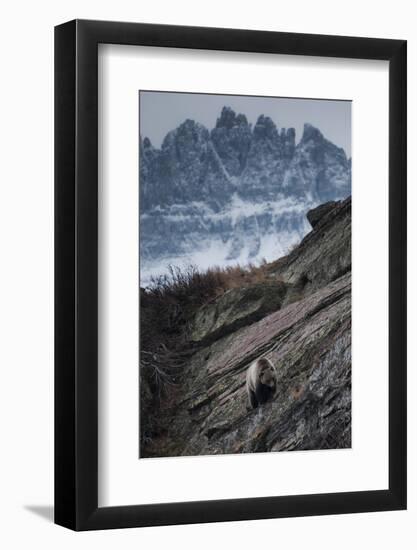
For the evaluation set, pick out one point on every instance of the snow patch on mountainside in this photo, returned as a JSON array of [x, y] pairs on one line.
[[234, 195]]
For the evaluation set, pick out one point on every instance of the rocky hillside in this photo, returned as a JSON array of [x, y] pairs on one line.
[[297, 313], [235, 193]]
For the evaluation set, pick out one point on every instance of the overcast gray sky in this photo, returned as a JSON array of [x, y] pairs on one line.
[[161, 112]]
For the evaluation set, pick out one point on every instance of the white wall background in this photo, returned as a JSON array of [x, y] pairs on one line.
[[26, 273]]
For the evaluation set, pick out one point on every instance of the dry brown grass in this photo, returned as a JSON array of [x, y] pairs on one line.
[[191, 285]]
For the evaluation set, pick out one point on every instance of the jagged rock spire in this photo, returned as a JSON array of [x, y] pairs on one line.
[[228, 119]]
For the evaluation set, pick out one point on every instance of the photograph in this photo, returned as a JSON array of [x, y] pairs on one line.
[[188, 358], [245, 274]]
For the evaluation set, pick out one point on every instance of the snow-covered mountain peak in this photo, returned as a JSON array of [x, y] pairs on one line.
[[242, 192]]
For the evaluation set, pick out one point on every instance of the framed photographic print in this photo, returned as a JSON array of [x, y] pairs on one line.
[[230, 338]]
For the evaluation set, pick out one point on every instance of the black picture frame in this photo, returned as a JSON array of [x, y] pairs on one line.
[[76, 272]]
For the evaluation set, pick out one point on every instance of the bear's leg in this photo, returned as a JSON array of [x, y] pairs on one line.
[[262, 393], [252, 399]]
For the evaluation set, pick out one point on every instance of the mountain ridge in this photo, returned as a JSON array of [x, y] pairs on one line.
[[239, 188]]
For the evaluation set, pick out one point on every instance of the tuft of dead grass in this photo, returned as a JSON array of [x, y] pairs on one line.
[[191, 285]]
